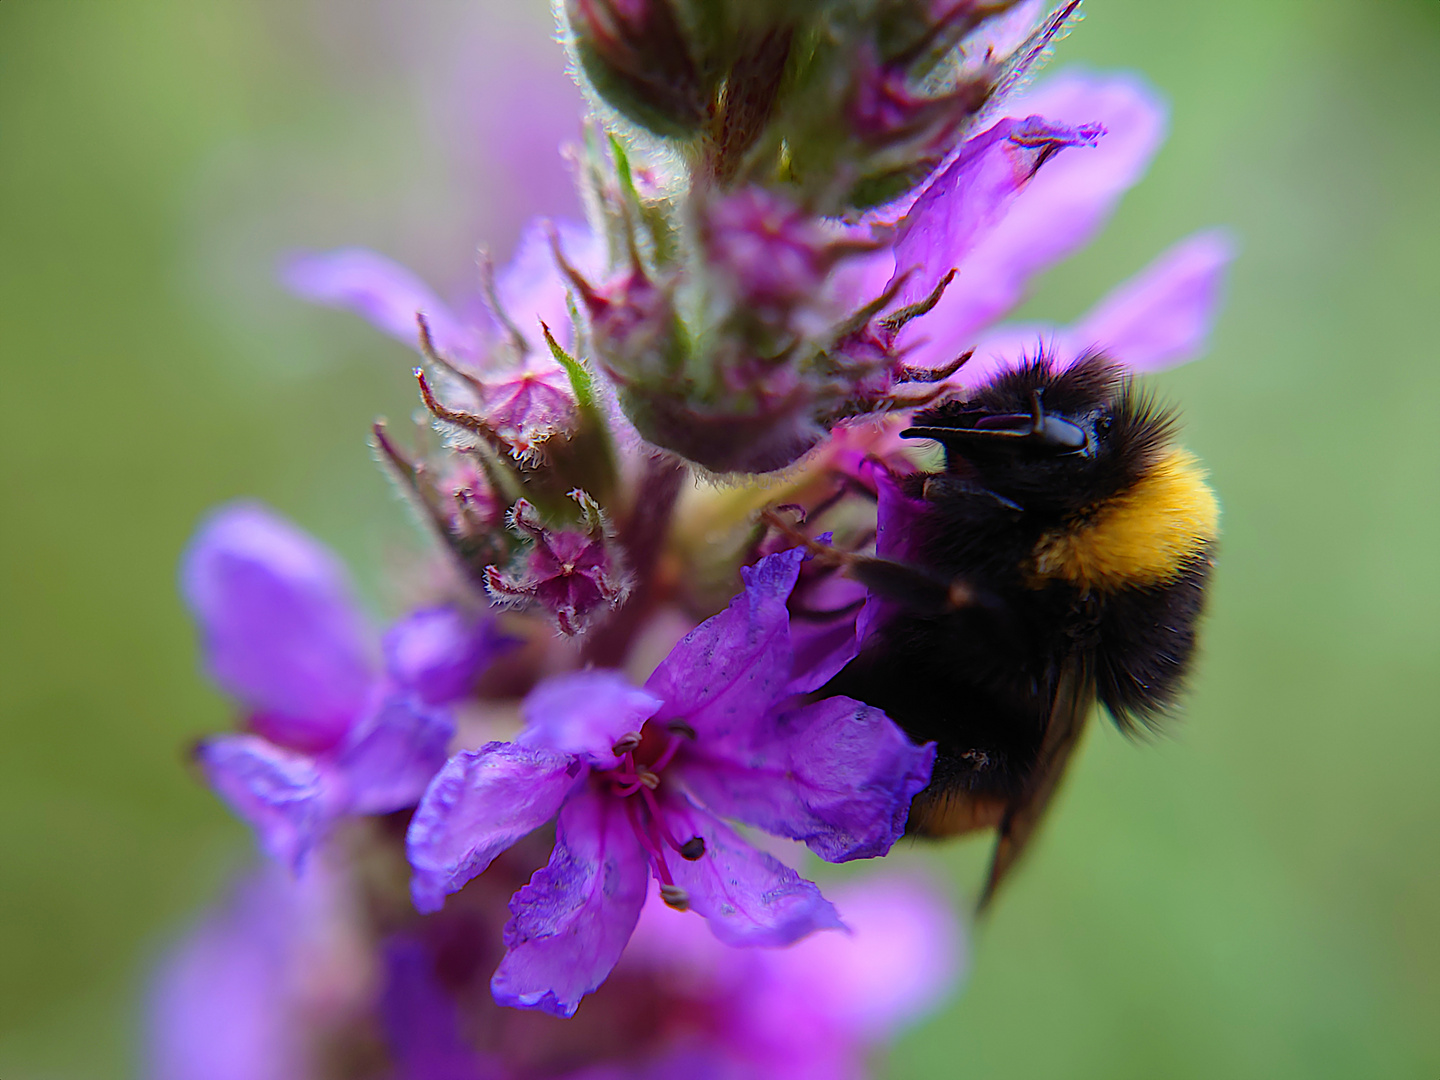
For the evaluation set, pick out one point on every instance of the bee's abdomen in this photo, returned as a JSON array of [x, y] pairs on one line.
[[1146, 642]]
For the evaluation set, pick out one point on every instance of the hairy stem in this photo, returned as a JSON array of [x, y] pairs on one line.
[[642, 535]]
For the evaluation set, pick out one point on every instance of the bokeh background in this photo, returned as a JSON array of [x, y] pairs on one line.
[[1256, 896]]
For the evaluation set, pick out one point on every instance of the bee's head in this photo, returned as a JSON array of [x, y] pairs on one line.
[[1048, 437]]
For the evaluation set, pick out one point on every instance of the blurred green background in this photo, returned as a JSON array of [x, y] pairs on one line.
[[1258, 896]]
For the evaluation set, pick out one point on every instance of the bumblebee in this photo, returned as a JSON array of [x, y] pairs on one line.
[[1059, 560]]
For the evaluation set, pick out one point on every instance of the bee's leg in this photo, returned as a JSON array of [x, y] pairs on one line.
[[943, 485], [915, 588], [813, 615], [846, 486]]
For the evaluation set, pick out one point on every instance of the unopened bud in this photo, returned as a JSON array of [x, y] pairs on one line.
[[767, 252], [575, 574], [636, 57]]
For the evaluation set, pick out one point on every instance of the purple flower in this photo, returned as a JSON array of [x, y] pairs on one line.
[[1059, 210], [230, 1002], [970, 197], [422, 1024], [506, 371], [812, 1011], [828, 644], [638, 782], [769, 253], [327, 733], [575, 574], [282, 972]]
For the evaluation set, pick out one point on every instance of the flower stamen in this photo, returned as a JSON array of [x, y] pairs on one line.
[[675, 897], [669, 754]]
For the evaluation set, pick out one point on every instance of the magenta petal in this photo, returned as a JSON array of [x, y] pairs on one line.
[[572, 921], [280, 793], [440, 652], [480, 803], [280, 629], [724, 675], [837, 775], [423, 1022], [905, 953], [965, 201], [381, 291], [833, 996], [897, 519], [585, 713], [221, 1008], [1061, 209], [390, 758], [822, 649], [530, 287], [1163, 315], [1159, 318], [747, 896]]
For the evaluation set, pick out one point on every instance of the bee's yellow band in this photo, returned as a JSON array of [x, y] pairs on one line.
[[1143, 536]]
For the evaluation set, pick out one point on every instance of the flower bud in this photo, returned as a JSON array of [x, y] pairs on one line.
[[575, 574], [766, 252], [637, 59], [634, 327]]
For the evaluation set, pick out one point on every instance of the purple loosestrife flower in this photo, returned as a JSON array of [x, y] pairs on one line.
[[245, 992], [971, 196], [494, 361], [1058, 212], [799, 216], [810, 1012], [281, 983], [638, 781], [328, 732], [575, 574]]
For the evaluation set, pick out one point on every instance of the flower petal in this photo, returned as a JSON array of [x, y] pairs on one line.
[[832, 996], [222, 1008], [1159, 318], [383, 292], [964, 203], [1061, 209], [1162, 316], [822, 649], [724, 675], [747, 896], [440, 652], [585, 713], [837, 775], [280, 793], [422, 1021], [896, 519], [480, 803], [391, 756], [280, 629], [531, 289], [570, 924]]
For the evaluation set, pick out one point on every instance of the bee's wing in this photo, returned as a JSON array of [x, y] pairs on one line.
[[1074, 701]]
